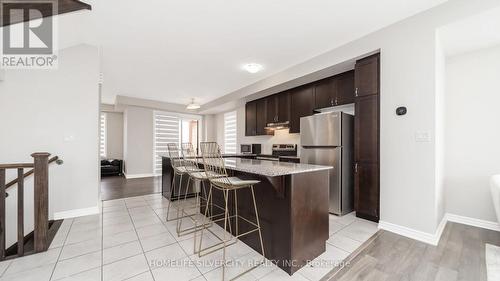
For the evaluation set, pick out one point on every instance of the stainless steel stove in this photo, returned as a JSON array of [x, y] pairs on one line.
[[280, 152]]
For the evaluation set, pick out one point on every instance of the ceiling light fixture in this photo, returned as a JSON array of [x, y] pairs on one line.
[[253, 67], [192, 105]]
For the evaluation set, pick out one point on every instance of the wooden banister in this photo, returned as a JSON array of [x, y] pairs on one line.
[[30, 172], [40, 170], [16, 166], [41, 202]]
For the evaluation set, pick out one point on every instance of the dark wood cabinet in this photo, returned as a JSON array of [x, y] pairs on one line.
[[325, 93], [345, 88], [261, 118], [367, 76], [256, 118], [366, 129], [272, 109], [302, 104], [251, 118], [367, 139], [366, 196], [284, 107], [278, 108], [333, 91]]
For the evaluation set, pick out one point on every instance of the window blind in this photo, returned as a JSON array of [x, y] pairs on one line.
[[166, 130], [230, 132], [102, 135]]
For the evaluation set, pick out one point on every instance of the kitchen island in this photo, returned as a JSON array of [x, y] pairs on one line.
[[292, 201]]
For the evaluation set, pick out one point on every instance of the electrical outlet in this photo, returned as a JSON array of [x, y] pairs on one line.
[[422, 136]]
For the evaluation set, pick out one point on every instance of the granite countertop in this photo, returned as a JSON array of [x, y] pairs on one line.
[[271, 168], [225, 155]]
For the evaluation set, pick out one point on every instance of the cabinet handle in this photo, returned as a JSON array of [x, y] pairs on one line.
[[336, 102], [356, 92], [356, 168]]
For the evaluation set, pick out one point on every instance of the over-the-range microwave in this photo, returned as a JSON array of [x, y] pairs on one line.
[[250, 148]]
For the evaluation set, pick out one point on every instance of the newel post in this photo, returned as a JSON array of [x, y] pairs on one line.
[[41, 163]]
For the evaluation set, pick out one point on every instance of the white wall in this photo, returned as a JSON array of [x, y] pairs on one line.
[[56, 111], [472, 132], [408, 192], [138, 141], [440, 112], [114, 135], [210, 126]]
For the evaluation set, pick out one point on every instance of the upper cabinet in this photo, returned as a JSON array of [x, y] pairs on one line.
[[367, 77], [333, 91], [262, 118], [345, 88], [325, 92], [256, 118], [278, 107], [302, 104], [251, 118], [293, 104]]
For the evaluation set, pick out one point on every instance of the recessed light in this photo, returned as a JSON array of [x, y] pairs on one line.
[[253, 67], [192, 105]]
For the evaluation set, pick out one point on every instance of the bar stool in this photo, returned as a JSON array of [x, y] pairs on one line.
[[180, 170], [196, 175], [220, 180]]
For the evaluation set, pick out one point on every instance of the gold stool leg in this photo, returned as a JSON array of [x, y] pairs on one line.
[[204, 219], [171, 194], [226, 215], [182, 206]]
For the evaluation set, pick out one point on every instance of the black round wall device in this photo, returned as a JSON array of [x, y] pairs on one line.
[[401, 110]]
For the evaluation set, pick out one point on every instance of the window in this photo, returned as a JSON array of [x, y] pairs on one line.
[[173, 128], [102, 135], [230, 132], [166, 130]]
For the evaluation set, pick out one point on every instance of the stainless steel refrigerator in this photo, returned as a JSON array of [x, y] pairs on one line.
[[328, 139]]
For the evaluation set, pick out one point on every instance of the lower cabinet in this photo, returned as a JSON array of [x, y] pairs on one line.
[[366, 191]]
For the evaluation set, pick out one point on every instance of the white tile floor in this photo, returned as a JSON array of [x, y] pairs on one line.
[[130, 240]]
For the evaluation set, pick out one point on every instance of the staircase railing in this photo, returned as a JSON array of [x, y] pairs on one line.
[[40, 169]]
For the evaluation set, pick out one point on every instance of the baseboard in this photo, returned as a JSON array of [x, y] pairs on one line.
[[473, 222], [433, 239], [418, 235], [137, 176], [76, 213]]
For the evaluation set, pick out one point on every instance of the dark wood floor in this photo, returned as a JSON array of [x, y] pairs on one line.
[[460, 255], [117, 187]]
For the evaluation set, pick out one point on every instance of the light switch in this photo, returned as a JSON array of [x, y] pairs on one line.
[[422, 136]]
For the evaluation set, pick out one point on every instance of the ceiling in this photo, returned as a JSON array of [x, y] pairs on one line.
[[473, 33], [172, 51]]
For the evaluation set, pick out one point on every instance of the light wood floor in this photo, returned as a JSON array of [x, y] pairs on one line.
[[458, 256], [116, 187]]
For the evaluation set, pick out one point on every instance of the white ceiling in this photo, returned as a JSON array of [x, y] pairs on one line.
[[473, 33], [173, 51]]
